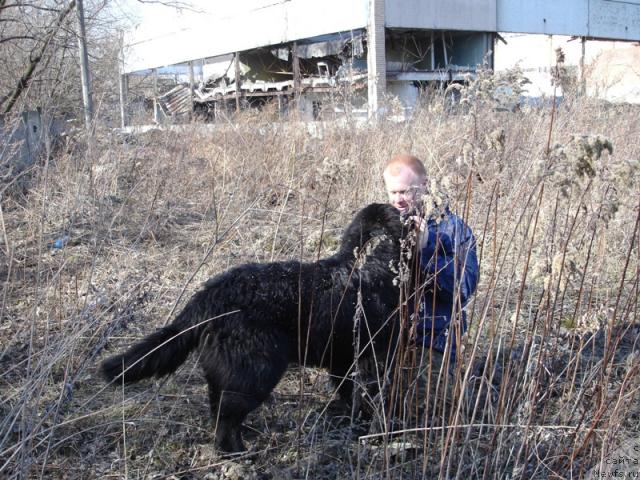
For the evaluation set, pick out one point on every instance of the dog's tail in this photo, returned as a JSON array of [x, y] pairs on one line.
[[162, 352]]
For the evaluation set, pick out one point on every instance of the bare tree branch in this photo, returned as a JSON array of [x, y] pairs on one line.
[[17, 37], [35, 59], [3, 6]]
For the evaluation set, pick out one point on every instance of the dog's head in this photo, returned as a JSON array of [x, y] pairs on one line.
[[374, 220]]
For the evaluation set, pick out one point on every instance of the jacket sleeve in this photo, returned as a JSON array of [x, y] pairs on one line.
[[449, 258]]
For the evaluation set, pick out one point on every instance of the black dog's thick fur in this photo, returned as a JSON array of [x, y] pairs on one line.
[[253, 320]]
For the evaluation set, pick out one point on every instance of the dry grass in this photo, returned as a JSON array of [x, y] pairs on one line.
[[146, 218]]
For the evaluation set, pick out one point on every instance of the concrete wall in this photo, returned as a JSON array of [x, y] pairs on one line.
[[612, 19], [543, 16], [618, 19], [21, 141], [209, 33], [472, 15]]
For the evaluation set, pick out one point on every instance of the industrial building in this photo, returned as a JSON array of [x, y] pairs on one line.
[[336, 56]]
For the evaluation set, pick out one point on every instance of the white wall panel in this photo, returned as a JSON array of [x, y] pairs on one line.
[[618, 19], [474, 15], [208, 34], [614, 19], [543, 16]]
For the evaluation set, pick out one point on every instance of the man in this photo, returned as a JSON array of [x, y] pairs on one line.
[[448, 260]]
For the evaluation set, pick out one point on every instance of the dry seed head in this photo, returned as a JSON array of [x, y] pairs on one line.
[[332, 169], [628, 171], [585, 150], [608, 210], [560, 76], [395, 106], [362, 254], [437, 108], [468, 154], [576, 161], [407, 245], [495, 139], [393, 267], [435, 201]]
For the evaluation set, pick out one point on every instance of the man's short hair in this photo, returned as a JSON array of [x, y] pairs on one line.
[[406, 160]]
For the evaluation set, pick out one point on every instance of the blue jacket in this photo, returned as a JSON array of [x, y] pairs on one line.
[[450, 270]]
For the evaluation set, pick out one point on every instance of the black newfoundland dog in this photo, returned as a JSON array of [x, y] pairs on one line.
[[250, 322]]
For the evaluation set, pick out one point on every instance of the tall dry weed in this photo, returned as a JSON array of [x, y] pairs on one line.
[[112, 235]]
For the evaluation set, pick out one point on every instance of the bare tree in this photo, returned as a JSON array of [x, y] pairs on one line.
[[85, 75], [41, 42], [41, 67]]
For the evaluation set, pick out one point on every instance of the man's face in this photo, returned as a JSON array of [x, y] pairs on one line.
[[404, 188]]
